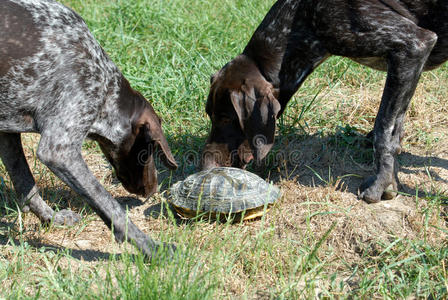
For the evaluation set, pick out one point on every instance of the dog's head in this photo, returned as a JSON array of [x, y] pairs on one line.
[[243, 108], [133, 159]]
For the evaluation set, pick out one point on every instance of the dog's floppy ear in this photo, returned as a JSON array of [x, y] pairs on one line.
[[243, 105], [256, 103], [154, 133], [161, 142], [257, 110]]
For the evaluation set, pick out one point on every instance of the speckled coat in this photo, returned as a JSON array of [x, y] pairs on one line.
[[56, 80]]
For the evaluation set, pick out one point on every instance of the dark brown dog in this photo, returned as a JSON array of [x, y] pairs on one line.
[[56, 80], [247, 95]]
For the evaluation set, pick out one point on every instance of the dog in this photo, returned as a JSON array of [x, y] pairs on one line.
[[247, 96], [56, 80]]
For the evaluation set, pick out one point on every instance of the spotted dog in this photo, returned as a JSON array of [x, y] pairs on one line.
[[56, 80], [247, 96]]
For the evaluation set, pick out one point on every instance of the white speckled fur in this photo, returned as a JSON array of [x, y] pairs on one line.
[[56, 80], [53, 96]]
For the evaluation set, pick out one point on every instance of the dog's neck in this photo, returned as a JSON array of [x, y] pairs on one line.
[[285, 48], [269, 42], [114, 121]]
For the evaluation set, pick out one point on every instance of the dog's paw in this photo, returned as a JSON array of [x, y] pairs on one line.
[[66, 217], [390, 192], [369, 191], [372, 191]]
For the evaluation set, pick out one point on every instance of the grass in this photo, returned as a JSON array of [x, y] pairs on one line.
[[317, 241]]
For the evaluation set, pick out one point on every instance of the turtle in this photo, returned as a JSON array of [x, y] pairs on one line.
[[223, 191]]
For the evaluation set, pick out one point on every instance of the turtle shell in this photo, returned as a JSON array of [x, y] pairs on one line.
[[223, 190]]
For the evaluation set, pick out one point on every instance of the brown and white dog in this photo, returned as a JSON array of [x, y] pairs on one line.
[[402, 37], [56, 80]]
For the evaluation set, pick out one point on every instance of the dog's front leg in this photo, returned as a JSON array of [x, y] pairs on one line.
[[13, 158], [64, 158], [404, 69]]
